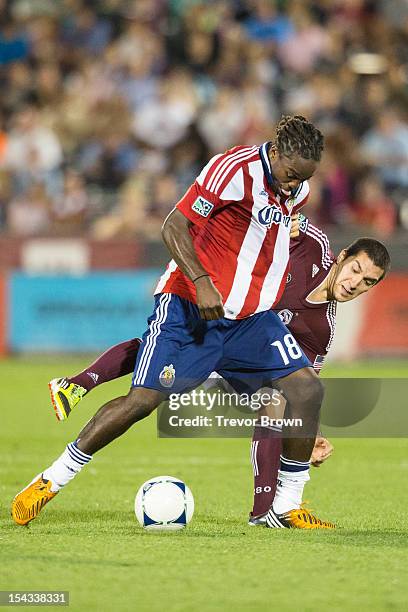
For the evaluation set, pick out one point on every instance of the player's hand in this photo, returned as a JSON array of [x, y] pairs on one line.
[[294, 228], [322, 451], [209, 299]]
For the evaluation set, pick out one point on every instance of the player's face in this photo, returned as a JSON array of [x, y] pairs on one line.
[[355, 275], [290, 172]]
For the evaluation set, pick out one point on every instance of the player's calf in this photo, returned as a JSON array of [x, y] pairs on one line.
[[116, 417], [304, 392]]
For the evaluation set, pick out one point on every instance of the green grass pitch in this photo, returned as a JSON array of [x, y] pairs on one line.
[[87, 540]]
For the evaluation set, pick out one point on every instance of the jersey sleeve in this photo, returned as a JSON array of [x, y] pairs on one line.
[[220, 183]]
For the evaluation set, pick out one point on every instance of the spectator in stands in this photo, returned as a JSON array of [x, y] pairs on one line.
[[29, 214], [373, 210], [110, 91], [33, 151], [385, 148], [71, 206]]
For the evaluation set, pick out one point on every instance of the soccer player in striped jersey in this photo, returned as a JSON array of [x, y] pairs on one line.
[[315, 284], [229, 239]]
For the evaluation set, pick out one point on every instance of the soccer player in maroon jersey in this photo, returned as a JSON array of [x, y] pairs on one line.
[[315, 284], [229, 239]]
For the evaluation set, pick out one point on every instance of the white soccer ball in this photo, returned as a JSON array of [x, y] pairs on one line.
[[164, 503]]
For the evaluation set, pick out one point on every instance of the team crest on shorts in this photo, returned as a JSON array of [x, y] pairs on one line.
[[285, 316], [167, 376]]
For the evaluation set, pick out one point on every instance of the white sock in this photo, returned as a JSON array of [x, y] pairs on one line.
[[292, 477], [66, 467]]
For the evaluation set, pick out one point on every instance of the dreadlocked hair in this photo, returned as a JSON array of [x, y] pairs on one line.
[[295, 134]]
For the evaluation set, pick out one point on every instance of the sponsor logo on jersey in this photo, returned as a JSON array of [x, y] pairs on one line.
[[285, 316], [167, 376], [315, 270], [270, 215], [202, 207]]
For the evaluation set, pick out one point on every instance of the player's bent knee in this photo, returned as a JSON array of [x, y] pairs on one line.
[[311, 389], [304, 387], [316, 391], [141, 402]]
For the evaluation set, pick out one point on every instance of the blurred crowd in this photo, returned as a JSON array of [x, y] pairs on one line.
[[110, 108]]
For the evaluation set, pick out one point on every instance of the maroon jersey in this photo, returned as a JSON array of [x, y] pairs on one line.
[[312, 324]]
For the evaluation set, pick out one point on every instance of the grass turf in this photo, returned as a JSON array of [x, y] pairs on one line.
[[87, 540]]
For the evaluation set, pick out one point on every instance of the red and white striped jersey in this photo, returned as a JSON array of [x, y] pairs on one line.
[[240, 232], [312, 323]]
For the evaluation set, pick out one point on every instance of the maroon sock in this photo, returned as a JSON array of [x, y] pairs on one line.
[[266, 449], [117, 361]]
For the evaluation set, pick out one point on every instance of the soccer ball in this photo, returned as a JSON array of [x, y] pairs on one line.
[[164, 503]]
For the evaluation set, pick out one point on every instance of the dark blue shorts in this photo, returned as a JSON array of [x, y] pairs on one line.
[[180, 350]]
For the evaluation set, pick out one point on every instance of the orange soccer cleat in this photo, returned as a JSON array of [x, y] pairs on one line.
[[296, 519], [29, 502]]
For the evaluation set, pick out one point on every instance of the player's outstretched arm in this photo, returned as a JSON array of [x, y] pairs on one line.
[[176, 236]]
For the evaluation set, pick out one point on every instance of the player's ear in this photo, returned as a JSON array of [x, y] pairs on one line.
[[273, 152], [341, 256]]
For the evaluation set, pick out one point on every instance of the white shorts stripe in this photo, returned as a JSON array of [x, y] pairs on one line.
[[155, 329], [147, 346]]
